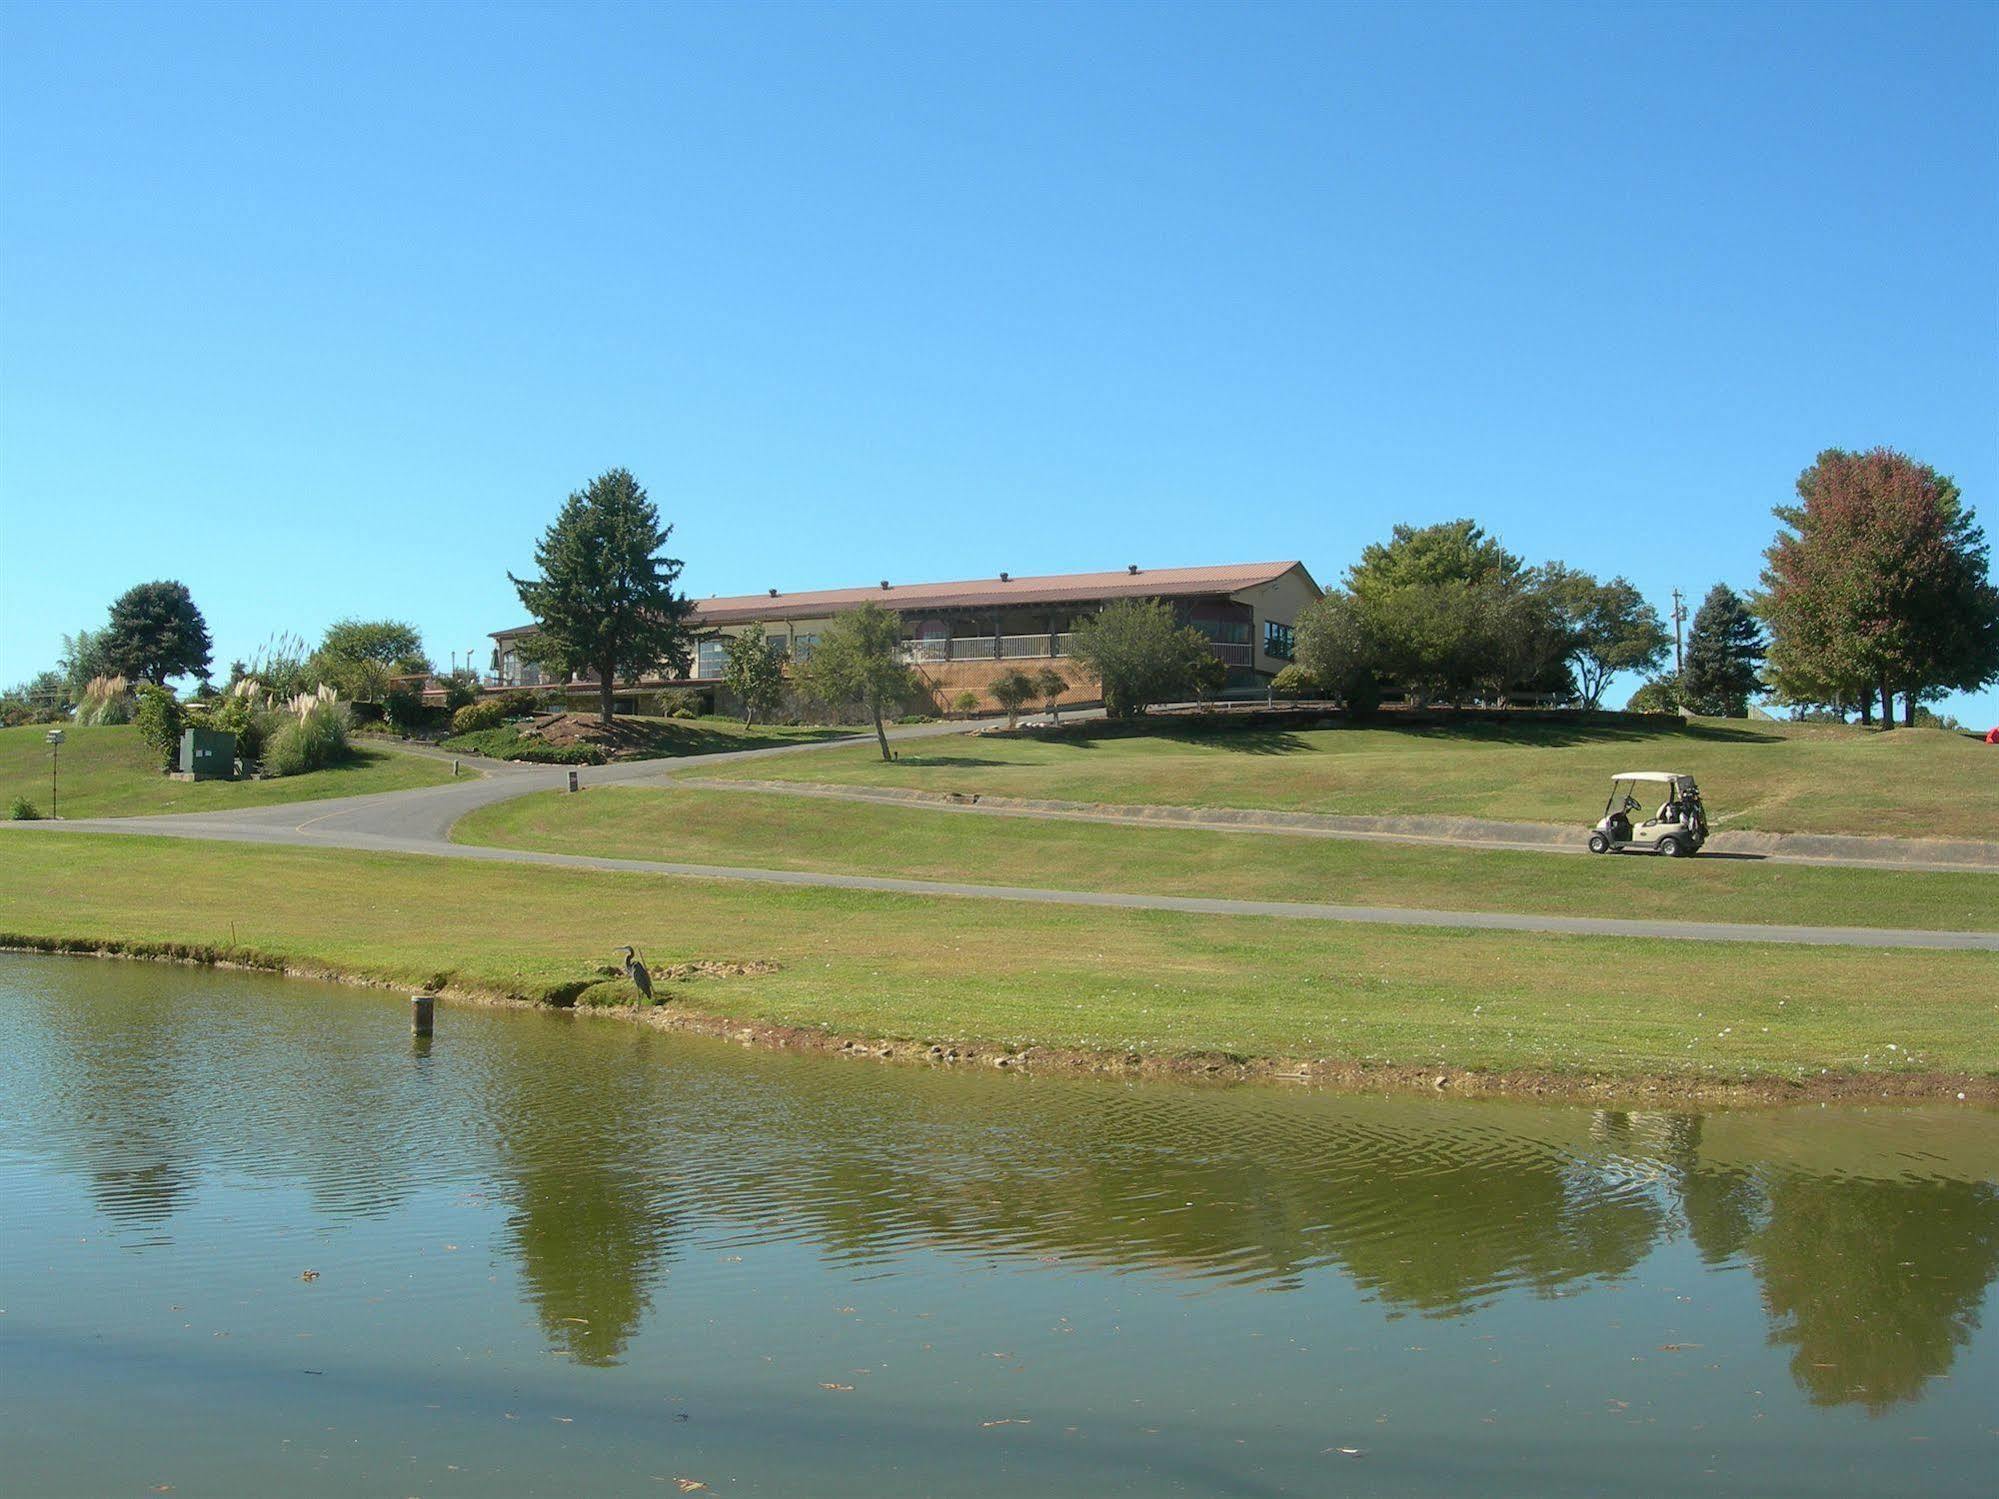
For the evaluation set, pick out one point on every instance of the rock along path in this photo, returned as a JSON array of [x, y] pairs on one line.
[[419, 822]]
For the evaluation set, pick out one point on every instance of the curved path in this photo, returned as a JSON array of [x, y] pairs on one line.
[[419, 822]]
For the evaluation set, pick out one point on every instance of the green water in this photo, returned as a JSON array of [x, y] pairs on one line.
[[560, 1255]]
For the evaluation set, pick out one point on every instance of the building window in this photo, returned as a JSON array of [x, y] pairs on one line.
[[709, 658], [801, 647], [1224, 631], [1277, 640]]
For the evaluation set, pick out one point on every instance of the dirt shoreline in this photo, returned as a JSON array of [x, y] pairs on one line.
[[1333, 1074]]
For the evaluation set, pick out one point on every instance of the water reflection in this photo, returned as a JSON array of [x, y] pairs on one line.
[[1873, 1237], [1875, 1285]]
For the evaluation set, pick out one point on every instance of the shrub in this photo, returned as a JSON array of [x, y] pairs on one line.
[[312, 736], [402, 705], [24, 810], [1295, 681], [680, 702], [233, 714], [461, 689], [159, 719], [107, 700], [1660, 695], [520, 703], [507, 743], [473, 717], [966, 702]]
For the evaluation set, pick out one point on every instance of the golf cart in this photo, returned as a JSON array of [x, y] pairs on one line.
[[1678, 826]]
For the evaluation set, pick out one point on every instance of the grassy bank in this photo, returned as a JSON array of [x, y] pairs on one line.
[[109, 772], [1919, 783], [793, 833], [874, 965], [635, 738]]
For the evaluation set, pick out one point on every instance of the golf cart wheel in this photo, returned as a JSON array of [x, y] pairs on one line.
[[1598, 844], [1672, 848]]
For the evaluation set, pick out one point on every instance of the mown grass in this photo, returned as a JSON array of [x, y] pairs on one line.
[[1918, 783], [958, 971], [786, 832], [109, 772]]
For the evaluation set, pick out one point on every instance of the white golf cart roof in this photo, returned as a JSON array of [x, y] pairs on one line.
[[1651, 775]]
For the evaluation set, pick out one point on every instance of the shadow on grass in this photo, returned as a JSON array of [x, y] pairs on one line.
[[956, 762]]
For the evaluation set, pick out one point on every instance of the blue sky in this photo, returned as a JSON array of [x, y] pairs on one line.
[[324, 309]]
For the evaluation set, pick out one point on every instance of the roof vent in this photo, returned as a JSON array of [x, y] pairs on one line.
[[884, 582], [773, 593], [1132, 568], [1006, 578]]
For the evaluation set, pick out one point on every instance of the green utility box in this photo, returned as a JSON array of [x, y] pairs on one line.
[[208, 754]]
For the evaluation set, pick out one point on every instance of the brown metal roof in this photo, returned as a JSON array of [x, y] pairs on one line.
[[986, 593]]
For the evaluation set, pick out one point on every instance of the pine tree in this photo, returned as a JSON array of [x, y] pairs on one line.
[[604, 601], [1723, 651]]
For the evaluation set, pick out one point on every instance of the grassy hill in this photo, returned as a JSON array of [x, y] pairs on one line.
[[109, 772], [782, 832], [1777, 777]]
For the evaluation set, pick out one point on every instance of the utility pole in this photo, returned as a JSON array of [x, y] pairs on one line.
[[1679, 618]]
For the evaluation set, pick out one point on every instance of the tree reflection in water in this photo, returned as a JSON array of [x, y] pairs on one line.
[[611, 1146]]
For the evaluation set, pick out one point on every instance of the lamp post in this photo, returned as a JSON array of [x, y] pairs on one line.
[[55, 756]]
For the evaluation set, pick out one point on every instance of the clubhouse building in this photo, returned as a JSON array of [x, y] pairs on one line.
[[960, 636]]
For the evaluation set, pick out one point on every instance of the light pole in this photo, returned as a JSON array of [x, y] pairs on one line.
[[55, 756]]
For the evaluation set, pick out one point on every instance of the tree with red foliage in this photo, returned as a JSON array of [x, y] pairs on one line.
[[1879, 582]]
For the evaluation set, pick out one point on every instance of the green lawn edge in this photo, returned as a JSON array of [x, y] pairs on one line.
[[1108, 984]]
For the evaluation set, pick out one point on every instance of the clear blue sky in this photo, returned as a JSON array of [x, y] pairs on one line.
[[323, 309]]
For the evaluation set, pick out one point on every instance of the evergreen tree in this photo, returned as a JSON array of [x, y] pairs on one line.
[[605, 602], [1723, 651], [155, 633]]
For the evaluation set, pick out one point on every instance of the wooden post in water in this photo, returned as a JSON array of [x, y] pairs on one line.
[[423, 1010]]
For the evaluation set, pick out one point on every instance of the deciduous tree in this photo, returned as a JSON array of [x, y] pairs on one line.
[[1609, 626], [1141, 654], [753, 669], [605, 601], [1049, 685], [858, 660], [1012, 690], [1879, 581], [156, 633]]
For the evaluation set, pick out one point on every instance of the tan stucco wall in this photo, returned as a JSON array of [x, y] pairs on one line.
[[1282, 599]]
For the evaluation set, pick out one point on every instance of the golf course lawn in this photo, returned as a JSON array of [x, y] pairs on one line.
[[109, 772], [1776, 777], [870, 964], [786, 832]]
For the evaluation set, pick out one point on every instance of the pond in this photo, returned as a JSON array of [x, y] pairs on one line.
[[255, 1239]]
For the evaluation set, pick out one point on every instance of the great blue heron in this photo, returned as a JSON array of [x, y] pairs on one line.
[[635, 970]]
